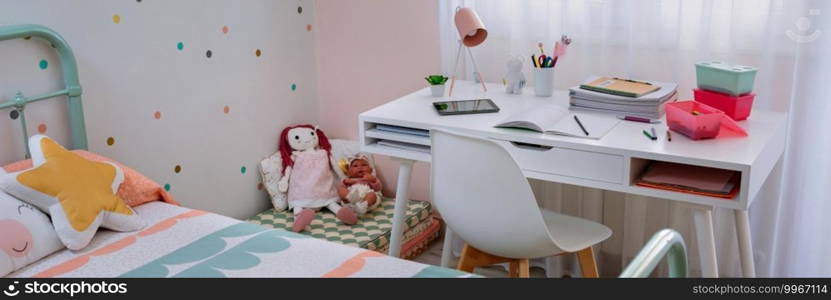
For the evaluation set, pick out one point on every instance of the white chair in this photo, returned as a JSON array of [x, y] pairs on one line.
[[484, 197]]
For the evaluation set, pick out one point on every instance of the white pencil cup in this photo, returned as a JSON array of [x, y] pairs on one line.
[[543, 82], [437, 90]]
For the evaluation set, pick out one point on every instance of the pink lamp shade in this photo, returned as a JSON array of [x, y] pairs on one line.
[[471, 30]]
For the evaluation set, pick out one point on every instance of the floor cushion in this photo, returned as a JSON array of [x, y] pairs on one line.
[[371, 232]]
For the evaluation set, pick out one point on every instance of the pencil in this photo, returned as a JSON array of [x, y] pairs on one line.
[[581, 125], [669, 136]]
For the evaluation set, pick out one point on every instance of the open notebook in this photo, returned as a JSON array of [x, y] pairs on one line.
[[555, 119]]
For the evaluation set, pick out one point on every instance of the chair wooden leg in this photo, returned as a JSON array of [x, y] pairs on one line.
[[524, 268], [467, 259], [472, 258], [587, 263], [514, 269]]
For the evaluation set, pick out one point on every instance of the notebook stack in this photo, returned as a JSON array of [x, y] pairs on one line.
[[644, 99], [691, 179]]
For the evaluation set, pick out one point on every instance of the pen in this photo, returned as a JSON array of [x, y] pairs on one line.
[[669, 136], [581, 125], [638, 119], [654, 135], [649, 136], [630, 80]]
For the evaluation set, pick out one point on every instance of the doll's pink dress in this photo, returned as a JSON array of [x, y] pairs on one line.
[[312, 182]]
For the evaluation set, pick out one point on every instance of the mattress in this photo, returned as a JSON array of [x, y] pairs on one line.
[[372, 231], [182, 242]]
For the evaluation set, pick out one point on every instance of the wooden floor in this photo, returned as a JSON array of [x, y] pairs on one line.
[[432, 256]]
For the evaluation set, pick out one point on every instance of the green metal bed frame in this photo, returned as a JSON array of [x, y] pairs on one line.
[[666, 242], [72, 85]]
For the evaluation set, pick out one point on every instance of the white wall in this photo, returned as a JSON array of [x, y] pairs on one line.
[[132, 69]]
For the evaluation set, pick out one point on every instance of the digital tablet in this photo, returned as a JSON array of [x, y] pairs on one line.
[[462, 107]]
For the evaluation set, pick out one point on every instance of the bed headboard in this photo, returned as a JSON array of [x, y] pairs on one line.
[[72, 86]]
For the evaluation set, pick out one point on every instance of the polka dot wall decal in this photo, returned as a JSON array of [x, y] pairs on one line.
[[167, 187], [157, 115], [27, 38], [293, 87], [14, 114], [243, 169], [116, 18], [177, 169], [260, 186], [258, 53], [299, 9], [43, 64], [225, 29], [110, 141], [308, 27], [180, 46], [226, 109], [42, 128], [209, 54]]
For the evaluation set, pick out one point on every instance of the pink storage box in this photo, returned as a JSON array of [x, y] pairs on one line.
[[737, 107], [706, 124]]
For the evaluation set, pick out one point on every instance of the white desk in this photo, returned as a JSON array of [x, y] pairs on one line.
[[611, 163]]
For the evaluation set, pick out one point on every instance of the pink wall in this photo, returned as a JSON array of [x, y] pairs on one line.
[[368, 53]]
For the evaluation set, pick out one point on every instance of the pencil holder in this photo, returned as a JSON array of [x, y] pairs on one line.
[[543, 82], [437, 90]]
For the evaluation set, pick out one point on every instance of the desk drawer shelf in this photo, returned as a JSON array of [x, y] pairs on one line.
[[394, 136], [683, 176], [397, 141], [581, 164]]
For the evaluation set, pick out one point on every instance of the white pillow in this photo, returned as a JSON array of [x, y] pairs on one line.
[[271, 169], [26, 234]]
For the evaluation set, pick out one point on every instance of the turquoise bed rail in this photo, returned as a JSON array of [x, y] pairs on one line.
[[72, 86], [666, 242]]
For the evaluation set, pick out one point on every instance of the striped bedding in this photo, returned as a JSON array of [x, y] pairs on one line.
[[182, 242]]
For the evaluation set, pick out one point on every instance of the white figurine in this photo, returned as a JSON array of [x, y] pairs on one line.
[[514, 80]]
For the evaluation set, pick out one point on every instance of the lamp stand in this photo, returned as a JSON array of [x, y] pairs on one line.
[[456, 66]]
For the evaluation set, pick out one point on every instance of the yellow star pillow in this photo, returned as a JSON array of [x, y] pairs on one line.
[[78, 193]]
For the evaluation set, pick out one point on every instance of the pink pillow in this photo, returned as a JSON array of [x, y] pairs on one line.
[[135, 190]]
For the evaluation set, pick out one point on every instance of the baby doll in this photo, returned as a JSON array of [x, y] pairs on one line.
[[360, 190], [309, 176]]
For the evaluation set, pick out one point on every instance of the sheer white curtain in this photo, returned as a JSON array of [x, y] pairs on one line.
[[662, 40]]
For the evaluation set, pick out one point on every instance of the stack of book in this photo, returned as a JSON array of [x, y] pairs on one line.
[[644, 99]]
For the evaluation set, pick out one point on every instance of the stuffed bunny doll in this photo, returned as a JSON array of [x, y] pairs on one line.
[[309, 175]]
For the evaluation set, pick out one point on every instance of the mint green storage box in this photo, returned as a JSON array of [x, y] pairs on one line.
[[725, 78]]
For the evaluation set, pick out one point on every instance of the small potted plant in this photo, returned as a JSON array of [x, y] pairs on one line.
[[436, 84]]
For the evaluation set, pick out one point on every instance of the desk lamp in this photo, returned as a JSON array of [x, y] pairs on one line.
[[471, 33]]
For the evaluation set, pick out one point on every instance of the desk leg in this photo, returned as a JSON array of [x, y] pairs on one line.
[[405, 169], [447, 247], [703, 219], [745, 246]]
